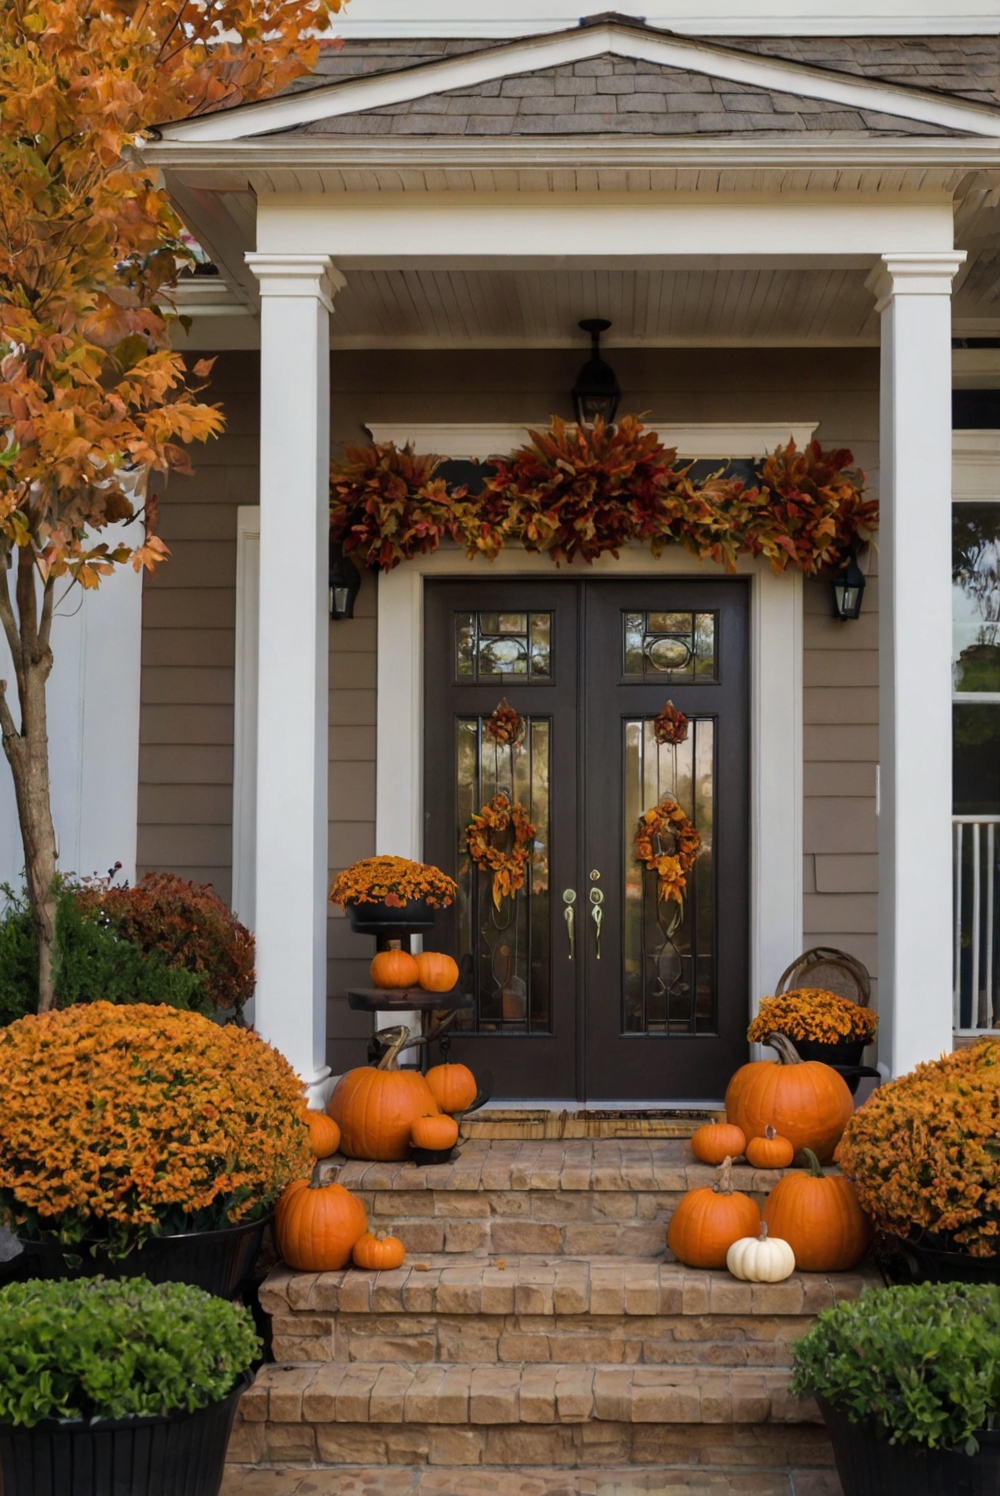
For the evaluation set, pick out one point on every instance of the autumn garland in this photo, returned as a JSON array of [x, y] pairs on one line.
[[582, 491]]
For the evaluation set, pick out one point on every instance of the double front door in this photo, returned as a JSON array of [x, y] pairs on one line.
[[607, 964]]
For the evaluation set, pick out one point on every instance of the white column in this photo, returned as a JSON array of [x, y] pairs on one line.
[[915, 917], [293, 702]]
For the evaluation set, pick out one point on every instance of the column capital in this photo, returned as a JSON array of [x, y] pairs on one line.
[[297, 275], [914, 273]]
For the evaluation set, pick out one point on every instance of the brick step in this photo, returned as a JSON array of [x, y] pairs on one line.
[[375, 1412], [593, 1197], [583, 1122], [538, 1309]]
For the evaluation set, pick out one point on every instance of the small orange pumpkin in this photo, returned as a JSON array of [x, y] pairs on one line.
[[707, 1222], [805, 1101], [770, 1151], [716, 1141], [436, 972], [316, 1224], [394, 967], [378, 1252], [818, 1215], [324, 1134], [454, 1087], [376, 1107], [434, 1133]]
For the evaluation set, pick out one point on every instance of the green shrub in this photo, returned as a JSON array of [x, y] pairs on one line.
[[92, 1348], [921, 1364]]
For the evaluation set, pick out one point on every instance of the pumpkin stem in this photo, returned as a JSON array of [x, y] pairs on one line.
[[402, 1035], [815, 1171], [724, 1184], [770, 1133], [316, 1180], [787, 1053], [394, 945], [763, 1231]]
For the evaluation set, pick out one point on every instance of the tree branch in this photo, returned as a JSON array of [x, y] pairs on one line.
[[9, 621]]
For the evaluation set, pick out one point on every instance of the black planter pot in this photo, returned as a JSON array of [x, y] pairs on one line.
[[844, 1057], [870, 1466], [216, 1261], [424, 1156], [915, 1262], [181, 1454], [385, 919]]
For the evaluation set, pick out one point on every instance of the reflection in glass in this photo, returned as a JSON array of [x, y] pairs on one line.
[[669, 985], [669, 646], [976, 758], [976, 597], [510, 946], [495, 646]]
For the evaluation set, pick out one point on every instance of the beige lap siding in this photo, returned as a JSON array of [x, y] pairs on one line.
[[188, 624]]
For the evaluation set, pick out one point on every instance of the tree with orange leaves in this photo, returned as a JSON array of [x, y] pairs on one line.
[[92, 397]]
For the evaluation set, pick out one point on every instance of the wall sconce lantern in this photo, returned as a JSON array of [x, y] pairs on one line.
[[848, 590], [345, 582], [597, 391]]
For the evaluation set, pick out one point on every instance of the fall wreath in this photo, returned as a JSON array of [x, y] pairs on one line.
[[497, 817], [667, 824]]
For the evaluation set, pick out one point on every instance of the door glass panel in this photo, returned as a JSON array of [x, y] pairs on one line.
[[670, 967], [976, 597], [509, 943], [503, 646], [669, 647]]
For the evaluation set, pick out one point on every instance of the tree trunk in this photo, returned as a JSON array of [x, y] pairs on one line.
[[27, 751]]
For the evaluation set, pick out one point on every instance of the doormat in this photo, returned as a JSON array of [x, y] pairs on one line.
[[528, 1124]]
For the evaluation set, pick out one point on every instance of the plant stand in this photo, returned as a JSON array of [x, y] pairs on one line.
[[410, 1000]]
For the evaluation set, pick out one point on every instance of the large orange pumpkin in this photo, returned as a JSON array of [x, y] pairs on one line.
[[316, 1225], [818, 1215], [717, 1141], [454, 1087], [394, 967], [805, 1101], [378, 1252], [375, 1108], [707, 1222], [324, 1134], [435, 971], [435, 1134]]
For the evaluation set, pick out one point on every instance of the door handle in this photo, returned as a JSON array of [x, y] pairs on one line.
[[569, 915], [597, 915]]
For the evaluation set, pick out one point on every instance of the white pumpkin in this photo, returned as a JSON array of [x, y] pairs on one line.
[[760, 1259]]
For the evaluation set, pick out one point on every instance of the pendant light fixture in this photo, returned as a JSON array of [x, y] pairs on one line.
[[596, 392]]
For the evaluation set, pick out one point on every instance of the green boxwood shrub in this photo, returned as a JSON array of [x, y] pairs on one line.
[[920, 1364], [93, 1348]]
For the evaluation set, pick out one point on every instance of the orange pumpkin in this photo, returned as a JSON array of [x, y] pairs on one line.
[[378, 1252], [434, 1133], [805, 1101], [324, 1134], [316, 1225], [770, 1151], [717, 1141], [454, 1087], [707, 1222], [818, 1215], [435, 971], [394, 967], [375, 1108]]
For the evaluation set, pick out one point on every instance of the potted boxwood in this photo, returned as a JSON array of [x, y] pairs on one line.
[[144, 1140], [118, 1385], [908, 1382], [922, 1153], [392, 893]]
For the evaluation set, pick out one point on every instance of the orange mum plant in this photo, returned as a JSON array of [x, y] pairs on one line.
[[393, 881], [922, 1153], [122, 1123], [812, 1013]]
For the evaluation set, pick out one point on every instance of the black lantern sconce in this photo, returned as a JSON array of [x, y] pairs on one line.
[[849, 589], [597, 391], [345, 582]]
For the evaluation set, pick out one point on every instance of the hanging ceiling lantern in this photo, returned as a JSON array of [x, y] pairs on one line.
[[597, 391], [345, 582], [848, 590]]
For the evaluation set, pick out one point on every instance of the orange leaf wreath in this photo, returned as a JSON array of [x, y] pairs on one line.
[[667, 820], [508, 868]]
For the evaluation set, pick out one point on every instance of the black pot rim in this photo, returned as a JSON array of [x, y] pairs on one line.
[[110, 1425], [982, 1436], [216, 1233], [950, 1254]]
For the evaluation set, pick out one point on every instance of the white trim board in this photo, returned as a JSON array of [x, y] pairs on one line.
[[581, 44], [709, 439], [776, 723], [245, 713]]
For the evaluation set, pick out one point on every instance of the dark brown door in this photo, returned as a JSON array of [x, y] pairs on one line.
[[648, 1002]]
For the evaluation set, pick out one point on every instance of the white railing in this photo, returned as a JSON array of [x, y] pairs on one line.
[[976, 958]]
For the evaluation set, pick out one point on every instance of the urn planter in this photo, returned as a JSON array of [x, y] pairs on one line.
[[870, 1466], [389, 919]]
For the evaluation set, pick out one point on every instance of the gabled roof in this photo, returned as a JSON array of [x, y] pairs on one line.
[[630, 78]]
